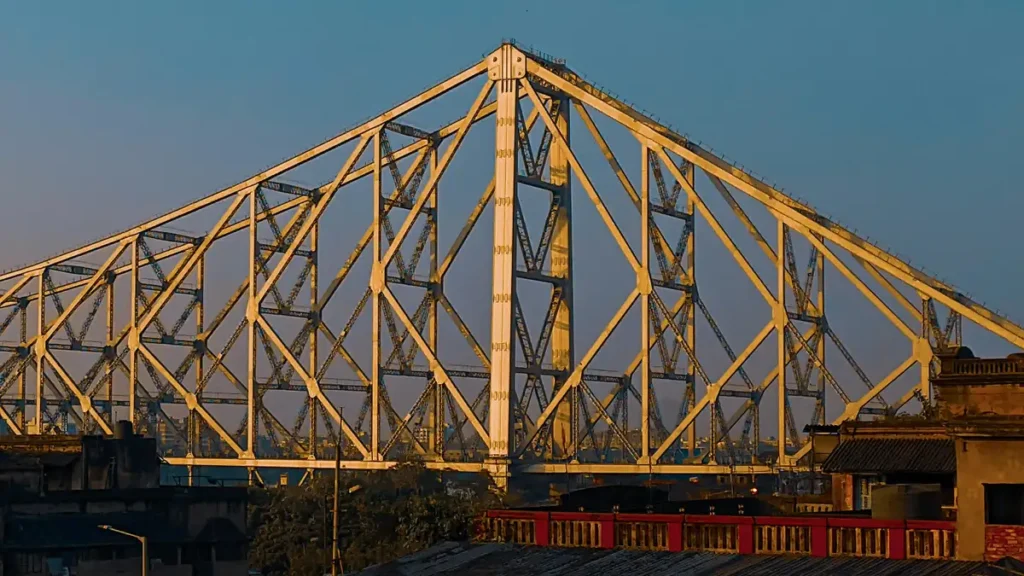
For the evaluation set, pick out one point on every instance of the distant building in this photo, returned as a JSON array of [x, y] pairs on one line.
[[982, 403], [870, 454], [55, 492], [973, 453], [40, 464], [190, 531]]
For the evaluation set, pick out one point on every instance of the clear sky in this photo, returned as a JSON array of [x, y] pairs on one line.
[[901, 119]]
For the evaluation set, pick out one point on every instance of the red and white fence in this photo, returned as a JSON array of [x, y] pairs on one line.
[[814, 536]]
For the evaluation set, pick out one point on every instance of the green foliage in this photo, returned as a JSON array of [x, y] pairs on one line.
[[384, 515], [929, 412]]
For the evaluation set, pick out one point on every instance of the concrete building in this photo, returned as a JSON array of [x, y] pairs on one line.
[[982, 403], [55, 492], [49, 463], [190, 532], [973, 450], [865, 455]]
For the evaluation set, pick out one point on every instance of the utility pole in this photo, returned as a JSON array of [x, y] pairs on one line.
[[335, 553]]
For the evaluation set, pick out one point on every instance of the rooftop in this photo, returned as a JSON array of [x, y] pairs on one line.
[[889, 455], [507, 559], [962, 365], [41, 444]]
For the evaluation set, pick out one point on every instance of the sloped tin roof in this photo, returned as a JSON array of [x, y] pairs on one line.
[[456, 559], [890, 455]]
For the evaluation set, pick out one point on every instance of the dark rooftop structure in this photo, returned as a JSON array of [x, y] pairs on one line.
[[893, 455], [38, 464], [194, 530], [506, 559]]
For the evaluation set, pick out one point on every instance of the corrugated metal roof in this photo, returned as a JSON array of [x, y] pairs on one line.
[[881, 455], [508, 560]]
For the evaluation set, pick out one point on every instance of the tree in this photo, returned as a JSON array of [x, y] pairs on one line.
[[385, 515]]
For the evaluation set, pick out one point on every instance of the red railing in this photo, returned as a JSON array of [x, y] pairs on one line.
[[819, 536]]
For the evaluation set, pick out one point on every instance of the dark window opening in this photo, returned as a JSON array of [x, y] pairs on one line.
[[167, 553], [1004, 504], [229, 552]]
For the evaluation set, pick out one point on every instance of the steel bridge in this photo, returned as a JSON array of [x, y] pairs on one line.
[[212, 372]]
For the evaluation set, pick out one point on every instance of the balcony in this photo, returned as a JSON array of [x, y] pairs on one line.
[[767, 535]]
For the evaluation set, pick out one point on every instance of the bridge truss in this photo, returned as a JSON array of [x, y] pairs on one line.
[[538, 405]]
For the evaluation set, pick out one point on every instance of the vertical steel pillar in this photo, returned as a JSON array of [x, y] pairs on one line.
[[644, 281], [252, 313], [378, 277], [40, 350], [110, 352], [134, 336], [193, 418], [505, 66], [822, 327], [781, 320], [314, 333], [691, 317], [563, 350], [314, 420], [436, 409], [925, 353], [22, 398]]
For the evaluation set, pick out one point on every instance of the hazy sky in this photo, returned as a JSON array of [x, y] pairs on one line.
[[901, 119]]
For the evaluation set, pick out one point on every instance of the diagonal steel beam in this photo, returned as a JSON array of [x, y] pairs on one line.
[[435, 175], [793, 211], [440, 374], [294, 162], [311, 220]]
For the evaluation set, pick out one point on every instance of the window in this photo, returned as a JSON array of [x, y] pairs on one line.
[[1004, 504], [30, 563], [863, 485]]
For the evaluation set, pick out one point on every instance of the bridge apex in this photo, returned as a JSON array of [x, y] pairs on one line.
[[506, 63]]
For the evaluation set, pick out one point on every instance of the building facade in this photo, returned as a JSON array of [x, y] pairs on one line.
[[56, 492], [982, 403]]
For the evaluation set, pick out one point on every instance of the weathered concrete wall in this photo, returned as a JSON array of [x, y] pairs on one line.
[[822, 445], [201, 512], [842, 492], [978, 463], [980, 399]]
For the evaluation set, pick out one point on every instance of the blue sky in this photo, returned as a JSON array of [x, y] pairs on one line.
[[903, 120]]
